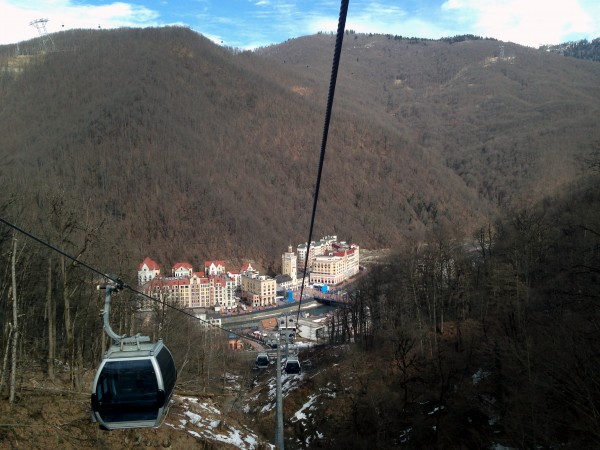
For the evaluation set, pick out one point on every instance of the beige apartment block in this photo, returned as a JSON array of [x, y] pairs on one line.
[[335, 267], [193, 292], [260, 290]]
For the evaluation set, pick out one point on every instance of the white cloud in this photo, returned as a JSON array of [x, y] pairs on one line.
[[530, 22], [65, 14]]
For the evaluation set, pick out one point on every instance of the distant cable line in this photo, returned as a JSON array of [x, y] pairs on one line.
[[117, 281]]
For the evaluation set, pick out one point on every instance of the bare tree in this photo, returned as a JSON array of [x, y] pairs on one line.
[[15, 325], [51, 319]]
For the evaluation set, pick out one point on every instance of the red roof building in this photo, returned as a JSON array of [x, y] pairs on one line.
[[182, 269], [214, 268], [147, 270]]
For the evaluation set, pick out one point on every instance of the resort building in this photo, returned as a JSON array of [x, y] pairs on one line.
[[189, 289], [258, 290], [214, 268], [147, 271], [289, 265], [337, 266], [182, 269]]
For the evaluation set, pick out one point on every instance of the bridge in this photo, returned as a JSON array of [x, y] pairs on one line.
[[330, 301]]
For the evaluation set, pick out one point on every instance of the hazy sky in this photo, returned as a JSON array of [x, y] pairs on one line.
[[253, 23]]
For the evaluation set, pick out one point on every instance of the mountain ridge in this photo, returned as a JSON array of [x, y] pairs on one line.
[[218, 150]]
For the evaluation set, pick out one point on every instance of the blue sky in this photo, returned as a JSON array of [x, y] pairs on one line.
[[249, 24]]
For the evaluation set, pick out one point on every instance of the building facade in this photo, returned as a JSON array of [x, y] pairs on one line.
[[259, 290], [182, 269], [289, 265], [189, 289], [335, 267], [315, 249], [147, 270], [214, 268]]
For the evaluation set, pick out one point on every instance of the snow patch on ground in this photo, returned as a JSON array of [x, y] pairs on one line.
[[299, 415], [479, 375], [205, 422]]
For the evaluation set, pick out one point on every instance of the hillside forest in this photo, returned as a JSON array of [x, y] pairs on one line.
[[474, 163]]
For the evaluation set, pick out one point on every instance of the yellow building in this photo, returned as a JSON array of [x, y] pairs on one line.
[[336, 267], [315, 249], [201, 290], [259, 290], [197, 291]]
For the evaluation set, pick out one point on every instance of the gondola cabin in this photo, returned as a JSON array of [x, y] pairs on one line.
[[262, 361], [133, 386], [292, 366]]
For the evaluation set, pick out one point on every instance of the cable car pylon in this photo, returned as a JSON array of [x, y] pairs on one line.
[[135, 380]]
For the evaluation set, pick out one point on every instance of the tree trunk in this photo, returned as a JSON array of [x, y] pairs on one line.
[[51, 318], [13, 375], [67, 318], [5, 360]]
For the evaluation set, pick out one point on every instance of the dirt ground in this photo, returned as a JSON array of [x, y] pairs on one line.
[[47, 416]]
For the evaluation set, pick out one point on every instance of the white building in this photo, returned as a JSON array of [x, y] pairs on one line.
[[182, 270], [313, 329], [147, 270], [289, 265], [214, 268], [259, 290]]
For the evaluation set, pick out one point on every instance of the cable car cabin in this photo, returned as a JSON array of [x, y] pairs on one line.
[[262, 361], [292, 366], [133, 386]]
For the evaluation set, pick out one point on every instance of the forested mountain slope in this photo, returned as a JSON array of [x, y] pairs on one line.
[[132, 143], [185, 150], [509, 120]]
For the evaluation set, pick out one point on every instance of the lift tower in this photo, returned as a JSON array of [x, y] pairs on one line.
[[47, 42]]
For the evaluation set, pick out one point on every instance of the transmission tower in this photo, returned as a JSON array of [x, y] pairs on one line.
[[47, 42]]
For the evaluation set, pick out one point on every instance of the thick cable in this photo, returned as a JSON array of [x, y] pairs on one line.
[[56, 249], [334, 72]]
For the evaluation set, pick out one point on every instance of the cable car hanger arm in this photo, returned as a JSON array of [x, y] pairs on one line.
[[120, 339]]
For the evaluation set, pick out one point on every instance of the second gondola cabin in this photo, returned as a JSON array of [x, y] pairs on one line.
[[133, 386], [262, 361], [292, 366]]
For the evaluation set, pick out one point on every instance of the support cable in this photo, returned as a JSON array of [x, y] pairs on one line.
[[334, 71]]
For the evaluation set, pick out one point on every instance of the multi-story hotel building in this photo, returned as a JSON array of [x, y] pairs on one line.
[[315, 249], [189, 289], [329, 262], [259, 290], [336, 266]]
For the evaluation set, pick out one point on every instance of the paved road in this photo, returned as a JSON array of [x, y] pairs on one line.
[[258, 315]]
